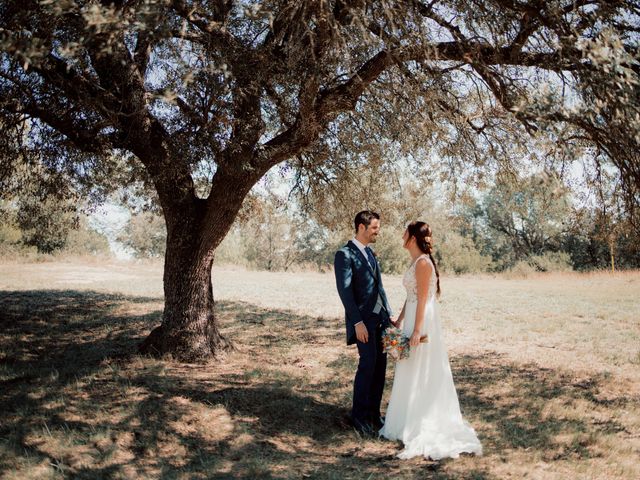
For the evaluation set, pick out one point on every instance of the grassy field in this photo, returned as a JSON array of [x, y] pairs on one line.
[[547, 371]]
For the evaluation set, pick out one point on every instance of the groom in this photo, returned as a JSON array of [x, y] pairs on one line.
[[367, 313]]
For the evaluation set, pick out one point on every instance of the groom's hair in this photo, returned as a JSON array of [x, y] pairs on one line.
[[364, 217]]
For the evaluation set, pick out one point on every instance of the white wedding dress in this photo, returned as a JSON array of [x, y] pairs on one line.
[[423, 410]]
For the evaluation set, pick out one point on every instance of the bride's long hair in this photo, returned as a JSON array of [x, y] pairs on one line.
[[422, 233]]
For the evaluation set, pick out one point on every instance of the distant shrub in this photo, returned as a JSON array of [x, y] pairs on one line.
[[146, 234], [19, 251], [521, 269], [458, 254], [11, 245], [392, 256], [10, 235], [86, 241], [45, 223], [18, 244], [551, 262], [317, 247], [547, 262], [232, 250]]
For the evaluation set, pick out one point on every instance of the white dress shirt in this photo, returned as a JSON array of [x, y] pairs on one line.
[[362, 248]]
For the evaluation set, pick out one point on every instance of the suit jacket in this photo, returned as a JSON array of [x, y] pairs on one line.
[[358, 286]]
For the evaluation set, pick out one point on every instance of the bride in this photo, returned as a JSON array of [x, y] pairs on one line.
[[423, 410]]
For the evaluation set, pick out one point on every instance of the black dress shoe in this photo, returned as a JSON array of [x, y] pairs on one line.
[[364, 429], [367, 431], [378, 423]]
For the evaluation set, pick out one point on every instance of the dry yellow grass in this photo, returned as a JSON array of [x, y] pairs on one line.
[[546, 370]]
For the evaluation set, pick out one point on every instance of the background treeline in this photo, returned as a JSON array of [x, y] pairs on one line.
[[34, 228], [518, 224]]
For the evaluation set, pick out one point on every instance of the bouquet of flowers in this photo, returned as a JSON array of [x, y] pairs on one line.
[[396, 344]]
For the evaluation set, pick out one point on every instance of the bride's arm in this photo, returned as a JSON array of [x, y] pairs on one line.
[[398, 322], [423, 276]]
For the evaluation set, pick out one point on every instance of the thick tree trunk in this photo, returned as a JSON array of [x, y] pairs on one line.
[[189, 330]]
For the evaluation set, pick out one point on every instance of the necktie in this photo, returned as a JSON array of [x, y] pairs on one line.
[[372, 259]]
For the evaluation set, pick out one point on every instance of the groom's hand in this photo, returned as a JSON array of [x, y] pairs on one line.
[[361, 332]]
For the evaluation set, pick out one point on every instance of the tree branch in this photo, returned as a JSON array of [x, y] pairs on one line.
[[84, 136], [212, 26], [345, 96]]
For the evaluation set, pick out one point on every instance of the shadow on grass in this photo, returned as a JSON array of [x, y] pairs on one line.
[[512, 398], [68, 331], [77, 402]]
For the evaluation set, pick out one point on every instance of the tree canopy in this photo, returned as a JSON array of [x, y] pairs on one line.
[[255, 83], [200, 98]]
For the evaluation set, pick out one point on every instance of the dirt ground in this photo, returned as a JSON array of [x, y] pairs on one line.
[[546, 370]]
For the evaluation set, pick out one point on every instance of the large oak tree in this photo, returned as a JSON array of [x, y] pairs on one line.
[[200, 98]]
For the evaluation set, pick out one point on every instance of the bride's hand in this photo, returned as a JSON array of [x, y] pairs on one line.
[[414, 340], [396, 322]]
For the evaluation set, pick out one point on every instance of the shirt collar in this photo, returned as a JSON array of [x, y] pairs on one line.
[[359, 244]]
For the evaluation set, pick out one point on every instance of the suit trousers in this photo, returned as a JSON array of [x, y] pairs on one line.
[[368, 384]]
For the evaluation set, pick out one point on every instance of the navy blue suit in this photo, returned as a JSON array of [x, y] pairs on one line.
[[359, 285]]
